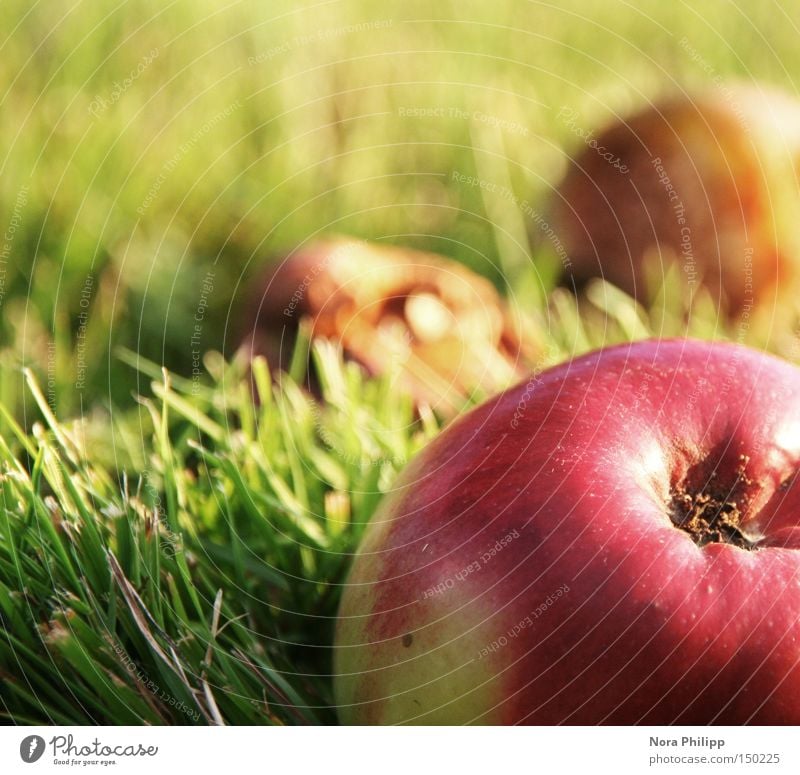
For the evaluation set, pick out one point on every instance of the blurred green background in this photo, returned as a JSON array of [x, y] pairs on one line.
[[146, 145]]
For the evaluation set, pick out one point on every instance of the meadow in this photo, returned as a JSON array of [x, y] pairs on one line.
[[171, 550]]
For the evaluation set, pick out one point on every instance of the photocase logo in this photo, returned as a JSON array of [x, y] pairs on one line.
[[31, 748]]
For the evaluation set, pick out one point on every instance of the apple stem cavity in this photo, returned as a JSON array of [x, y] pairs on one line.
[[715, 516], [708, 519]]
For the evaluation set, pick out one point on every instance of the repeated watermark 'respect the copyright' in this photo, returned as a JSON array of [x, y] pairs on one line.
[[318, 36], [679, 209], [8, 238]]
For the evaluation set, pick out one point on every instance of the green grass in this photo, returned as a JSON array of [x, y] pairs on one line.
[[201, 588], [171, 548]]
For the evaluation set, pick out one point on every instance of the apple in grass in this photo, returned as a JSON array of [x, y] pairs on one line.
[[442, 332], [615, 541], [708, 181]]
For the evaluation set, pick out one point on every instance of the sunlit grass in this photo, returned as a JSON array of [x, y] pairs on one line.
[[202, 587], [171, 548]]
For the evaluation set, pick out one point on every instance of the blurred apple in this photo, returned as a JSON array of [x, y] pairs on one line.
[[709, 181], [441, 331]]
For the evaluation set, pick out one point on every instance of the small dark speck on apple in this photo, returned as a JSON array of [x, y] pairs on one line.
[[408, 639]]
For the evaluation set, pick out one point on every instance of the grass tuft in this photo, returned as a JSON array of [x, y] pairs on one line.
[[202, 587]]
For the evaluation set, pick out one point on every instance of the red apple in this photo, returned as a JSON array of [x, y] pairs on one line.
[[440, 330], [615, 541], [708, 180]]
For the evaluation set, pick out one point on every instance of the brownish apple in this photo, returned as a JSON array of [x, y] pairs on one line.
[[707, 180], [442, 331]]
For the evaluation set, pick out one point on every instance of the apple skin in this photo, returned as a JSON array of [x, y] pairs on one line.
[[730, 217], [597, 608]]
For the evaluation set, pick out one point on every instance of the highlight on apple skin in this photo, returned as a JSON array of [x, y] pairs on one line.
[[616, 541], [708, 180]]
